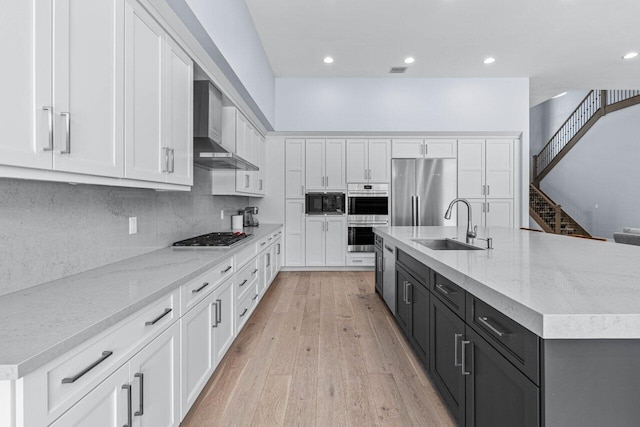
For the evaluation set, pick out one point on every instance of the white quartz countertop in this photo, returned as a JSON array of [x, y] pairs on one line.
[[558, 287], [45, 321]]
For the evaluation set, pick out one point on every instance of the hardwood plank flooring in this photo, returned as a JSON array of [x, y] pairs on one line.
[[321, 349]]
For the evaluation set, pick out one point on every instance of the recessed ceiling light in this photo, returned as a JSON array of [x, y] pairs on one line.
[[630, 55], [559, 95], [328, 60], [489, 60], [409, 60]]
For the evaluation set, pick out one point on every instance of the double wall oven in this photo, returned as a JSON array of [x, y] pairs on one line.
[[367, 207]]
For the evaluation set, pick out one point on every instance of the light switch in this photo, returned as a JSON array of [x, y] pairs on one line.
[[133, 225]]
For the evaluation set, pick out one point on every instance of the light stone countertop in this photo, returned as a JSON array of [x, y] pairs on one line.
[[558, 287], [45, 321]]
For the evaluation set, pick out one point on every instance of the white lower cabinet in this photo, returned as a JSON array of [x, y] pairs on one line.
[[295, 233], [223, 328], [326, 241], [197, 351], [154, 375], [106, 405]]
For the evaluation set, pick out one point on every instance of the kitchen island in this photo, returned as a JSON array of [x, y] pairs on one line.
[[562, 315]]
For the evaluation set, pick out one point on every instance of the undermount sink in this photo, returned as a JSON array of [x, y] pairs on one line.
[[446, 245]]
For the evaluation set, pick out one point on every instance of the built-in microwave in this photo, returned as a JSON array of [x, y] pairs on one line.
[[325, 204]]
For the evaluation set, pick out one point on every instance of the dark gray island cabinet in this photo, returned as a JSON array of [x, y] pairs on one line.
[[493, 372]]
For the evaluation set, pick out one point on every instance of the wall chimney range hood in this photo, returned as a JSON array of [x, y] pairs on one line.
[[208, 150]]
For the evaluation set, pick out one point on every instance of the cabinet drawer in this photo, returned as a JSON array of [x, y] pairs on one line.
[[449, 293], [245, 255], [262, 243], [246, 278], [74, 374], [195, 291], [361, 261], [245, 306], [413, 266], [519, 345]]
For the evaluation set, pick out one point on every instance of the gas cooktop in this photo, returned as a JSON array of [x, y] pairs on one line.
[[219, 240]]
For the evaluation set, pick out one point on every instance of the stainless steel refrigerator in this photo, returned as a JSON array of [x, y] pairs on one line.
[[421, 190]]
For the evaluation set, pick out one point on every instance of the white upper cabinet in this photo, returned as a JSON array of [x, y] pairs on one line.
[[430, 148], [499, 168], [147, 157], [294, 168], [325, 164], [471, 166], [408, 148], [26, 109], [368, 160], [379, 160], [158, 102], [180, 114], [88, 87]]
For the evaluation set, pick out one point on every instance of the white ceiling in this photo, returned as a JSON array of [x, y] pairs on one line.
[[559, 44]]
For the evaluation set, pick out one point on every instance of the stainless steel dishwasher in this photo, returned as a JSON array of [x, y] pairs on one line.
[[389, 277]]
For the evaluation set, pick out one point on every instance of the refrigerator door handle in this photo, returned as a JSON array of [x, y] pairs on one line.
[[418, 211], [413, 210]]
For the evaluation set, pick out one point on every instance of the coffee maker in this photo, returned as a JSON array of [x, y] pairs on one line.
[[248, 216]]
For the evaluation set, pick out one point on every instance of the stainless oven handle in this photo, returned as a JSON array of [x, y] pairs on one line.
[[365, 193]]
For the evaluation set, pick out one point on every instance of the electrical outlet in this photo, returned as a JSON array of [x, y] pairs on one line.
[[133, 225], [221, 213]]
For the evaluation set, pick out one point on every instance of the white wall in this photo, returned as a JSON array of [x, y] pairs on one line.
[[408, 104], [230, 26], [603, 169]]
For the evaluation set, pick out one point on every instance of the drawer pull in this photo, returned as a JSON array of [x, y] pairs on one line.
[[226, 269], [204, 285], [157, 319], [129, 417], [254, 298], [270, 238], [443, 289], [263, 243], [140, 410], [73, 379], [254, 271], [244, 312], [356, 261], [485, 321], [243, 283]]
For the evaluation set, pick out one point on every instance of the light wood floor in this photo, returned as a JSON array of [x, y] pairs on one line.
[[321, 349]]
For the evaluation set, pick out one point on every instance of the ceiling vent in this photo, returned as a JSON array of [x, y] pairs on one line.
[[397, 70]]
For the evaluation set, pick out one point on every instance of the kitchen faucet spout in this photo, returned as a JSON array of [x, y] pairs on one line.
[[471, 231]]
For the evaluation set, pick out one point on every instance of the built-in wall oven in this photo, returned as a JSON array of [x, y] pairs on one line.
[[367, 207]]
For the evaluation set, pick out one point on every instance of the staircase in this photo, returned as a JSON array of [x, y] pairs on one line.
[[595, 105], [550, 216]]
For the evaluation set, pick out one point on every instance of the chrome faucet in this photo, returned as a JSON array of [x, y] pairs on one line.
[[471, 231]]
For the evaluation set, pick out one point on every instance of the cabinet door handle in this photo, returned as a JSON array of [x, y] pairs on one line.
[[268, 260], [365, 174], [67, 143], [260, 185], [488, 190], [140, 410], [226, 269], [456, 337], [464, 357], [278, 249], [246, 181], [483, 191], [302, 190], [327, 183], [244, 312], [157, 319], [173, 160], [485, 322], [165, 166], [443, 289], [49, 111], [488, 206], [409, 291], [129, 423], [244, 282], [204, 285], [218, 312], [76, 377]]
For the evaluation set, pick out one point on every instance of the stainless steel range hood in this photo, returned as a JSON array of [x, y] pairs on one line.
[[207, 130]]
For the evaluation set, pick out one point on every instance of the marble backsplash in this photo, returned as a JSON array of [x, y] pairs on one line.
[[53, 230]]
